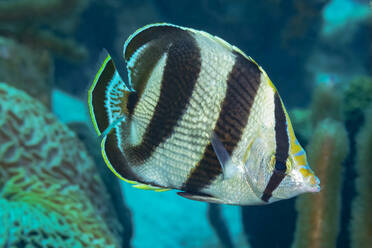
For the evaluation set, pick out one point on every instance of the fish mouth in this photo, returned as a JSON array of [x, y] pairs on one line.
[[312, 188], [312, 184]]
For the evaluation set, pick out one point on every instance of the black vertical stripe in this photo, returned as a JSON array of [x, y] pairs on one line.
[[281, 134], [180, 75], [157, 39], [132, 102], [117, 159], [150, 34], [99, 96], [242, 86], [144, 64], [282, 149], [274, 181]]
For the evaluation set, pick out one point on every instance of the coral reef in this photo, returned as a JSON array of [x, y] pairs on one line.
[[58, 216], [45, 171], [361, 223], [26, 69], [109, 179], [319, 214], [25, 21], [326, 103], [322, 124], [356, 98]]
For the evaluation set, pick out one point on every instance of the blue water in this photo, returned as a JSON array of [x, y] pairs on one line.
[[300, 44]]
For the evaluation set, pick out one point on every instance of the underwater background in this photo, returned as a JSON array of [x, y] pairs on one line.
[[55, 189]]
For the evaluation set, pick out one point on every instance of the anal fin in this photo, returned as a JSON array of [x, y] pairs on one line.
[[150, 187], [115, 159], [117, 163]]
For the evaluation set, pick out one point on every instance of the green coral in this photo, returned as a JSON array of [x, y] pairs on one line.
[[326, 103], [357, 97], [58, 216], [361, 224], [319, 214], [47, 175]]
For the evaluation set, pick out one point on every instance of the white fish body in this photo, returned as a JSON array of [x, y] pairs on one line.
[[200, 116]]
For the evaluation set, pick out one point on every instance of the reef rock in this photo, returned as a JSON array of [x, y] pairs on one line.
[[27, 69]]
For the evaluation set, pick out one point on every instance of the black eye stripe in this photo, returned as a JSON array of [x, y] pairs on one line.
[[282, 149], [280, 166]]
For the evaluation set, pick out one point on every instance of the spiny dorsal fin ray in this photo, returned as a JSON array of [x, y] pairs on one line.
[[146, 34], [156, 30], [140, 55]]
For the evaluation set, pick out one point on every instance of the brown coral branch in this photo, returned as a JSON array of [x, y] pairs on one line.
[[361, 224], [319, 214]]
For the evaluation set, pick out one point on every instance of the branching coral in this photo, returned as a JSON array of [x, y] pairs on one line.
[[46, 172], [326, 103], [109, 179], [319, 214], [361, 224]]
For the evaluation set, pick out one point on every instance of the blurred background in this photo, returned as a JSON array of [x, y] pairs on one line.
[[55, 189]]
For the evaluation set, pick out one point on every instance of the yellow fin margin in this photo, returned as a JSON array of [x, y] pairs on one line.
[[91, 111], [135, 184]]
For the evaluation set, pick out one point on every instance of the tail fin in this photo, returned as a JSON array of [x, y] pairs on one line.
[[107, 98]]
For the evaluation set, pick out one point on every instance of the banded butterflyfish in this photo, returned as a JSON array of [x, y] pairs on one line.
[[199, 116]]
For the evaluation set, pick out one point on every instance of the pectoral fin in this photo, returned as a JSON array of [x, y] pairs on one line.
[[228, 168]]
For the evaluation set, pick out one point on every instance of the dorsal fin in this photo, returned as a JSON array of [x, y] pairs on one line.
[[106, 96], [144, 48], [149, 33]]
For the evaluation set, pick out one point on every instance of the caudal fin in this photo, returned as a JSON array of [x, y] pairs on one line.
[[107, 97]]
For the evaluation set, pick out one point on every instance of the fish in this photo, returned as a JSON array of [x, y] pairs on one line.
[[199, 116]]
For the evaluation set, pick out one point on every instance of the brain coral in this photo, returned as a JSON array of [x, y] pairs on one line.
[[50, 192]]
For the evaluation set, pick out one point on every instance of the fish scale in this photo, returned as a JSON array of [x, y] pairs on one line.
[[201, 117]]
